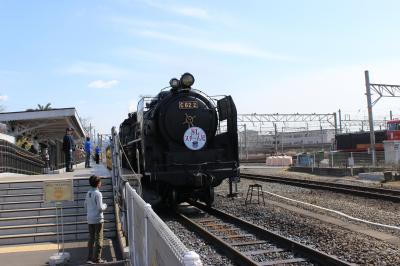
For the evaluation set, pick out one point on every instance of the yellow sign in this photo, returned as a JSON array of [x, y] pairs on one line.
[[55, 191]]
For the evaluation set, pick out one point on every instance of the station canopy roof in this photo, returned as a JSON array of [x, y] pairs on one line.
[[46, 124]]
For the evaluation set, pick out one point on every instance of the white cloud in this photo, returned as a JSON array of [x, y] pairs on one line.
[[188, 11], [3, 98], [193, 12], [85, 68], [103, 84], [224, 47], [147, 55], [129, 23]]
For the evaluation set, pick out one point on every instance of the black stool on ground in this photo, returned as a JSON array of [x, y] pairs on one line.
[[257, 187]]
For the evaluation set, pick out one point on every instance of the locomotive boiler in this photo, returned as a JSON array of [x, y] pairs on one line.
[[183, 142]]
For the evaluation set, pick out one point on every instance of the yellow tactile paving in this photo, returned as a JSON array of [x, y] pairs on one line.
[[39, 247]]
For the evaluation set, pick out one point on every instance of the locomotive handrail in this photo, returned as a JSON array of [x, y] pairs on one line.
[[148, 237], [133, 141]]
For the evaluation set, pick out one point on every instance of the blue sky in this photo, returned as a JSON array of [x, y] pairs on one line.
[[271, 56]]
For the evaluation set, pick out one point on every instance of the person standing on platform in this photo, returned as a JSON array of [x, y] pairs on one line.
[[97, 154], [95, 218], [46, 159], [68, 146], [88, 149]]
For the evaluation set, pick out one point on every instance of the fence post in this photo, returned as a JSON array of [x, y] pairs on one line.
[[146, 237], [129, 220], [313, 163], [191, 258], [352, 163]]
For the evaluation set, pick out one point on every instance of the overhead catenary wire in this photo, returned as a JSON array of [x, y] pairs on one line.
[[334, 211]]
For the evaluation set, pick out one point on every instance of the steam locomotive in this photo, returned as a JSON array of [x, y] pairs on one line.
[[183, 142]]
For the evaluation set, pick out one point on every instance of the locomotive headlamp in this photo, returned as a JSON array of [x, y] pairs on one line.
[[174, 83], [187, 80]]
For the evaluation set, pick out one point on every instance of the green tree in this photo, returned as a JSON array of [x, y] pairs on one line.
[[40, 108], [44, 107]]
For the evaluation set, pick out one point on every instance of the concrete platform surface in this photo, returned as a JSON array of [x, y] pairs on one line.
[[79, 172], [39, 254]]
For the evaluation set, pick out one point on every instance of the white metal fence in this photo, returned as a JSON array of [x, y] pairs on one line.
[[335, 159], [150, 240]]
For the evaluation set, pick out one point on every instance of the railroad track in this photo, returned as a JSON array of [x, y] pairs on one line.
[[249, 244], [369, 192]]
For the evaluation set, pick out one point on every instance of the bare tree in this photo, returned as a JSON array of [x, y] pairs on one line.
[[86, 124]]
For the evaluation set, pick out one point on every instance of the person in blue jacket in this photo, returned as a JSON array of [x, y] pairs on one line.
[[88, 149], [95, 218]]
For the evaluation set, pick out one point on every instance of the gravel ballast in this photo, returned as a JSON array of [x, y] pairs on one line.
[[345, 244], [373, 210]]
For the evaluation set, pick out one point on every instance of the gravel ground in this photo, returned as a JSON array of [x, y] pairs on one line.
[[373, 210], [351, 180], [208, 254], [347, 245]]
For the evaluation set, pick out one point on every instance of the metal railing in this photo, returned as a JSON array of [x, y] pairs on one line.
[[150, 241], [357, 159], [334, 159], [14, 159]]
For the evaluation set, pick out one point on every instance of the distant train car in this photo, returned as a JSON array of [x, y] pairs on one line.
[[183, 142], [359, 141]]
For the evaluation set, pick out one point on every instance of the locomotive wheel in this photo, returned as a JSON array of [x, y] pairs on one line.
[[209, 199]]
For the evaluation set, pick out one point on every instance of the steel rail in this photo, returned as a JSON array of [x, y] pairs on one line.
[[369, 192], [228, 249], [306, 252]]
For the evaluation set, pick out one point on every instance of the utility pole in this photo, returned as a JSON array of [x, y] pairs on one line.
[[276, 139], [282, 140], [322, 138], [370, 118], [391, 115], [340, 121], [101, 146], [335, 123], [245, 142]]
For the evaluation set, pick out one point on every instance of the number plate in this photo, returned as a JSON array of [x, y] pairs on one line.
[[188, 105]]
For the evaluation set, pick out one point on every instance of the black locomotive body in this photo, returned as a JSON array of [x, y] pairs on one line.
[[183, 143]]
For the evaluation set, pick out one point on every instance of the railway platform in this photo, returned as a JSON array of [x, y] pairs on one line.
[[28, 224]]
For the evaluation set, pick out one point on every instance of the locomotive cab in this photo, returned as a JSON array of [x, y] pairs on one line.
[[393, 130]]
